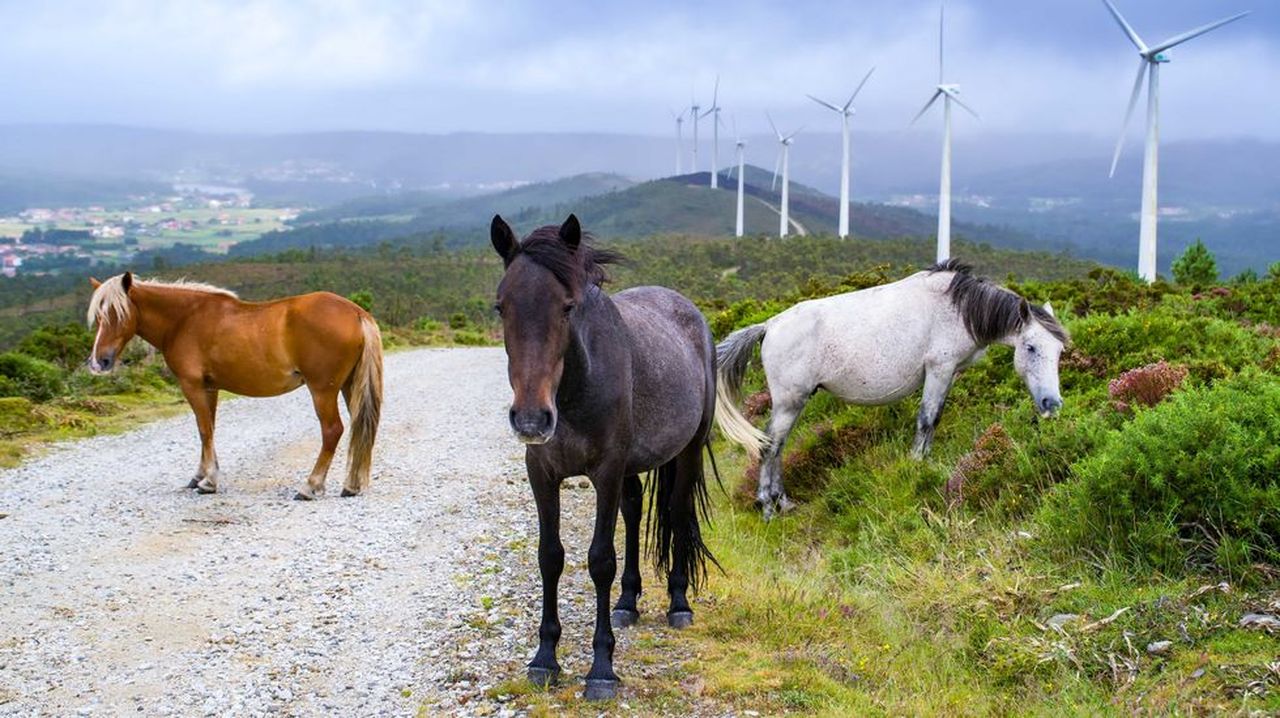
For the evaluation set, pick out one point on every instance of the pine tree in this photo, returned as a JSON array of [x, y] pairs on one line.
[[1195, 266]]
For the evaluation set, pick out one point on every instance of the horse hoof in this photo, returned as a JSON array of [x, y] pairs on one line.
[[680, 619], [347, 493], [203, 487], [303, 497], [624, 618], [543, 677], [193, 483], [601, 689]]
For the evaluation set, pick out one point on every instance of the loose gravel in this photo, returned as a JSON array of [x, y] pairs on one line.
[[126, 594]]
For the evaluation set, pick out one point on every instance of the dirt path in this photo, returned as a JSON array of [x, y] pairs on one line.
[[125, 594]]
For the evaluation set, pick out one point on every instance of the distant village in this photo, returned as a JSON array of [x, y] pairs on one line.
[[43, 240]]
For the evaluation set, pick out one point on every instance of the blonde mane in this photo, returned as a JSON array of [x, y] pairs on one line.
[[110, 296]]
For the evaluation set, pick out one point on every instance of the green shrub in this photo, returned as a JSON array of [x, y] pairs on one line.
[[458, 320], [470, 338], [1196, 266], [363, 298], [1210, 348], [35, 379], [67, 345], [1191, 483]]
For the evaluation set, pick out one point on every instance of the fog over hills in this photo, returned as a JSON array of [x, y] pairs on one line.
[[1052, 189]]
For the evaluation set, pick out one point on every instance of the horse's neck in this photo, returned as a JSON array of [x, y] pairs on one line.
[[585, 337], [161, 309]]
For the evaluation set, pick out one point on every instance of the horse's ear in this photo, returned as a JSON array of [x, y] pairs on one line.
[[1049, 309], [1024, 310], [126, 281], [503, 239], [93, 282], [571, 232]]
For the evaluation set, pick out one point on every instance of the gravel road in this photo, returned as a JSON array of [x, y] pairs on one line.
[[126, 594]]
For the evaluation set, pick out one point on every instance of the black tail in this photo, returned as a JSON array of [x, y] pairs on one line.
[[677, 508]]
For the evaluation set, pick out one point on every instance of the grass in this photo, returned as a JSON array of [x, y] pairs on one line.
[[41, 425]]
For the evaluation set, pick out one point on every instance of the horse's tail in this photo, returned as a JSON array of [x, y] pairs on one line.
[[365, 405], [732, 356], [677, 512]]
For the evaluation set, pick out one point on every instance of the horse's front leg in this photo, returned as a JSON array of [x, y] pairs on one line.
[[771, 495], [626, 612], [204, 404], [544, 670], [937, 382], [602, 561]]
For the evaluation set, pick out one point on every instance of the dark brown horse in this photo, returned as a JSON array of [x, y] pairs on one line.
[[610, 388], [213, 341]]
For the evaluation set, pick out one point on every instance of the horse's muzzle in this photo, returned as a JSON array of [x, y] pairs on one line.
[[1049, 406], [101, 365], [533, 426]]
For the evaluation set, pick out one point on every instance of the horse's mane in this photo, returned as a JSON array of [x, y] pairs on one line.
[[110, 296], [991, 312], [575, 269]]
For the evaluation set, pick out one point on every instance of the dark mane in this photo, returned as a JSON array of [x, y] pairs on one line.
[[574, 269], [989, 311]]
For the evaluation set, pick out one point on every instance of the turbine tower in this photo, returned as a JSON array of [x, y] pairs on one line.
[[949, 93], [715, 133], [1149, 65], [845, 113], [740, 147], [784, 161], [693, 115], [679, 118]]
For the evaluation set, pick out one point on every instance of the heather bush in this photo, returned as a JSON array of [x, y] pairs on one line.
[[1189, 484], [1147, 385]]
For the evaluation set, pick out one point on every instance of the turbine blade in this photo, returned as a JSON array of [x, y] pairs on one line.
[[824, 103], [926, 107], [775, 127], [793, 134], [777, 165], [713, 109], [1128, 115], [849, 104], [956, 98], [941, 14], [715, 94], [1179, 39], [1128, 29]]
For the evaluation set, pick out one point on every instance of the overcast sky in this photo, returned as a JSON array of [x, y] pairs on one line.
[[453, 65]]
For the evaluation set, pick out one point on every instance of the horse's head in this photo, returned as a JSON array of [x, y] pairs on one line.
[[1036, 350], [117, 319], [537, 296]]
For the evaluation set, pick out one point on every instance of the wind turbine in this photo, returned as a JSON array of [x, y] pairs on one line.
[[715, 134], [949, 93], [845, 113], [679, 118], [740, 148], [1151, 59], [784, 161], [693, 115]]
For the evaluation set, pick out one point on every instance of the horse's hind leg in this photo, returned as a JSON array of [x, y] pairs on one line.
[[326, 405], [771, 497], [626, 612], [204, 404]]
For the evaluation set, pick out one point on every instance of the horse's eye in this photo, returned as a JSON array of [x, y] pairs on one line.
[[1031, 349], [498, 308], [568, 307]]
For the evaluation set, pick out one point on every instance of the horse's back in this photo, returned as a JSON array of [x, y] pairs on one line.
[[867, 346], [673, 374]]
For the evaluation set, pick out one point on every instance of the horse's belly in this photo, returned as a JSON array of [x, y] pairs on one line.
[[859, 388]]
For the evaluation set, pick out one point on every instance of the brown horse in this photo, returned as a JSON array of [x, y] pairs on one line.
[[213, 341]]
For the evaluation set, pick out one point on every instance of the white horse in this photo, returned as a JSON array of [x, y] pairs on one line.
[[877, 346]]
